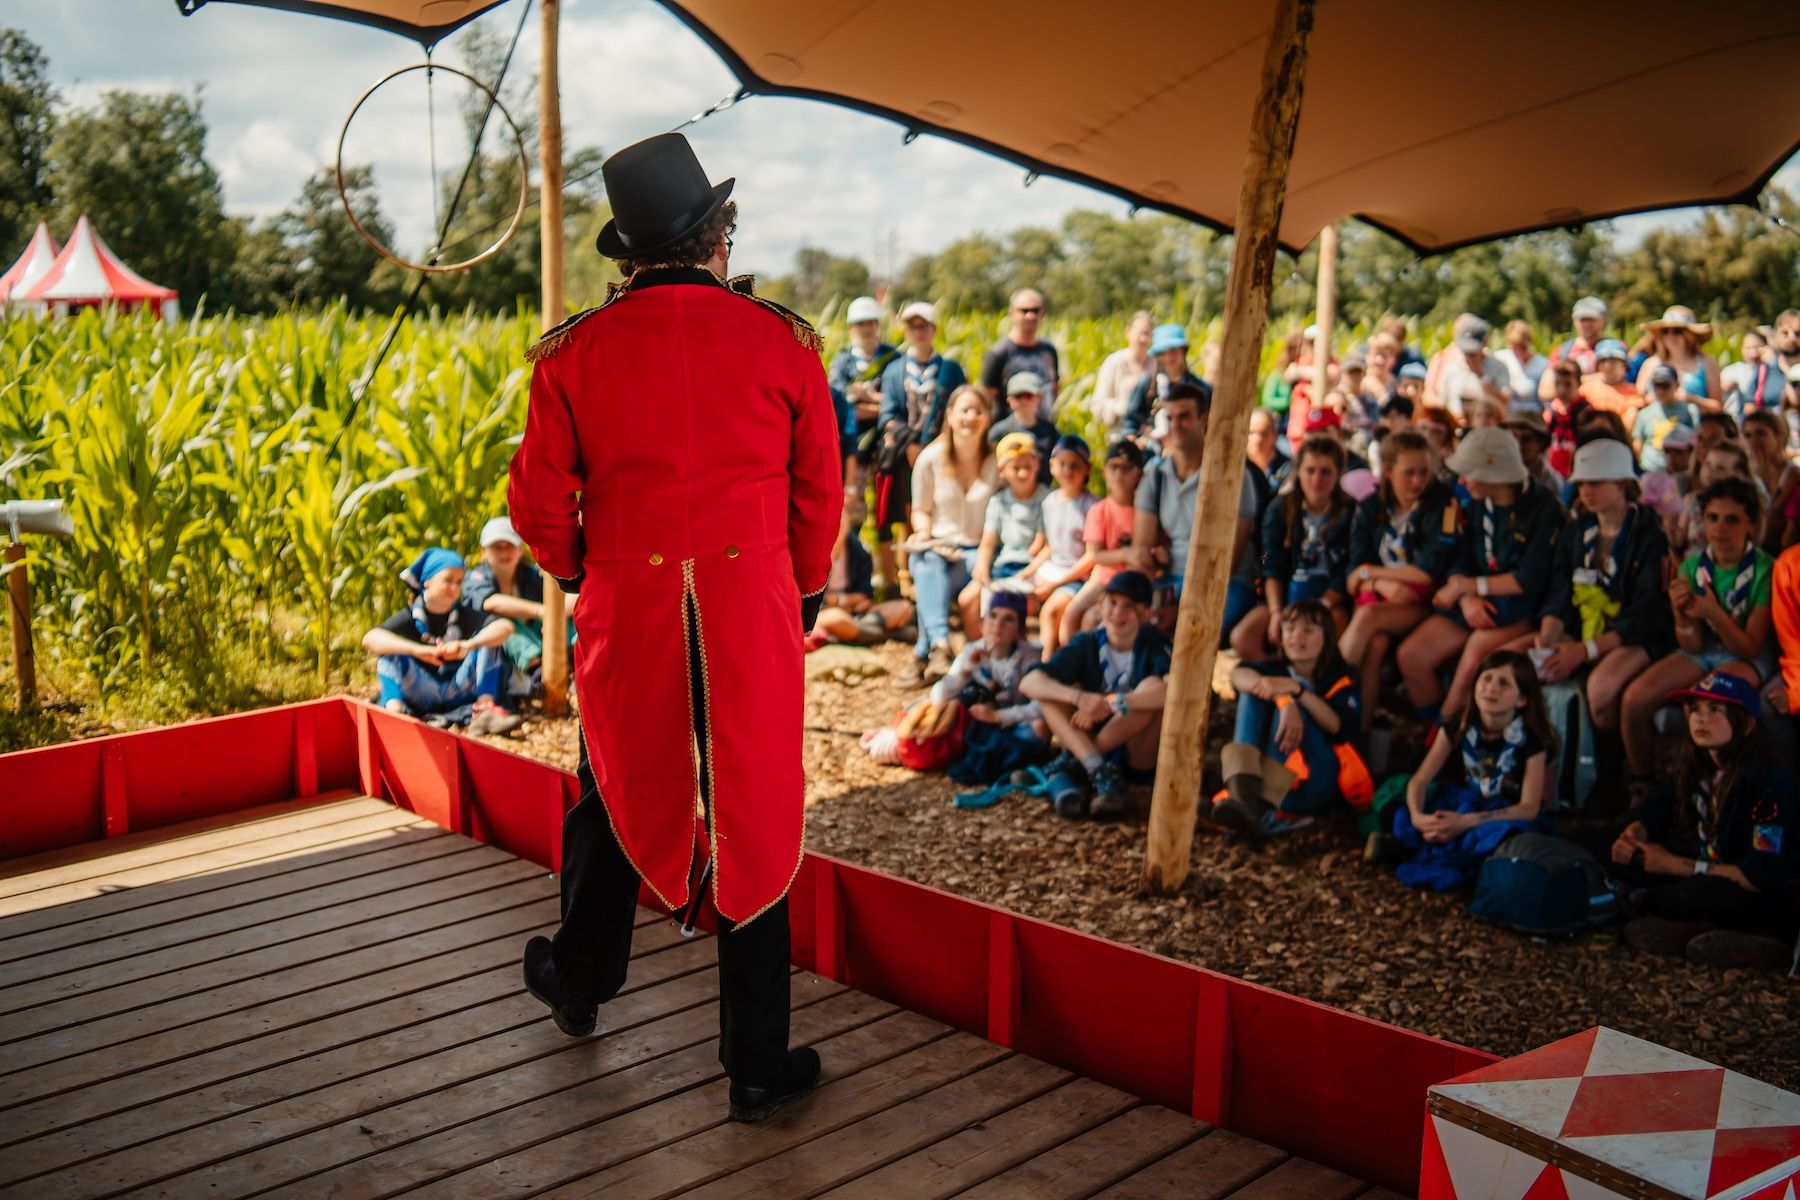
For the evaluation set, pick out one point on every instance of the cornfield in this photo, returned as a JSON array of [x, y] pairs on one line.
[[226, 499]]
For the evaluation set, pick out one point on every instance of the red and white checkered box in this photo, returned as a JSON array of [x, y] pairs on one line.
[[1605, 1114]]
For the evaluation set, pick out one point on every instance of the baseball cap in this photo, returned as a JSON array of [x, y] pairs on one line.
[[1355, 362], [918, 309], [1068, 443], [1611, 348], [1664, 375], [1471, 334], [861, 309], [1168, 337], [1126, 449], [1011, 601], [1682, 437], [1015, 445], [1133, 585], [1323, 418], [1603, 460], [1025, 383], [1725, 687], [500, 529], [1590, 306], [1413, 370]]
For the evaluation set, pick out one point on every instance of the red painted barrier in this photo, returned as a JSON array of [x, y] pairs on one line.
[[1337, 1088]]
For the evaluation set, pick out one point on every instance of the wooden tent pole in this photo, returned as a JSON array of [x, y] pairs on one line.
[[24, 659], [550, 246], [1274, 119], [1327, 309]]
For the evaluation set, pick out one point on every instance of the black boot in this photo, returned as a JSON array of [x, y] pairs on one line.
[[1243, 809], [574, 1017], [798, 1078]]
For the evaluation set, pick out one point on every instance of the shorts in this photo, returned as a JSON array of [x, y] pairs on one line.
[[1711, 660], [1508, 610], [1422, 593], [893, 496], [1007, 570], [1073, 587]]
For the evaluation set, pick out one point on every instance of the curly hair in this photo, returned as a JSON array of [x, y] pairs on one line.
[[691, 251]]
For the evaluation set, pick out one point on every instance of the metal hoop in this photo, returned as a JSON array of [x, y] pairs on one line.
[[524, 175]]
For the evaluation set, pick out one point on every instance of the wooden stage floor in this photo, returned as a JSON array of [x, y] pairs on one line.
[[324, 1000]]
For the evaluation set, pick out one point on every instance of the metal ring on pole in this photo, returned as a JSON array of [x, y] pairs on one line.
[[524, 175]]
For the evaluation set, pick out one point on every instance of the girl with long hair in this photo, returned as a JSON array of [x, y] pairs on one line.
[[1766, 436], [1305, 546]]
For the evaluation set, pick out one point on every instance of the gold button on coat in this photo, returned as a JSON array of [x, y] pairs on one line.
[[656, 560], [731, 552]]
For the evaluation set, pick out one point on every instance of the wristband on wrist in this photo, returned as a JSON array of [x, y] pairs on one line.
[[1700, 866], [1283, 700], [1481, 586], [1593, 649]]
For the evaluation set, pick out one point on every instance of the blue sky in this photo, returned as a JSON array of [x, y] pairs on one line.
[[277, 87]]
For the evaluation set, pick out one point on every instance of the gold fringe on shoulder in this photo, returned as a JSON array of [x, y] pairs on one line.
[[554, 339], [804, 333]]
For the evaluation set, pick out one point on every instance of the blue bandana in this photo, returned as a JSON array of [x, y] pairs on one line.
[[428, 564]]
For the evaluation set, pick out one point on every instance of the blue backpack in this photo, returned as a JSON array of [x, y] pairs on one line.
[[1544, 886]]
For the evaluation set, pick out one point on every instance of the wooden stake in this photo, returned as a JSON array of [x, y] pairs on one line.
[[18, 588], [1274, 120], [550, 244], [1328, 256]]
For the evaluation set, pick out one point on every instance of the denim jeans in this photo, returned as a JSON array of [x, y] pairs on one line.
[[1240, 598], [1256, 726], [936, 582], [403, 677]]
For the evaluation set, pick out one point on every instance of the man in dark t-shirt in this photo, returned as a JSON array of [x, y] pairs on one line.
[[440, 658], [1022, 350]]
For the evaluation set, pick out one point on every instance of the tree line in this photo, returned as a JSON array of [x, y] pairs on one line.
[[136, 163]]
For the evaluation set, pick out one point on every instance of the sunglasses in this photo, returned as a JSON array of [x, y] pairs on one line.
[[1028, 312]]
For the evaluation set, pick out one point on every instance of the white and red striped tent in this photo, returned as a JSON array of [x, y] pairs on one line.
[[88, 274], [32, 265]]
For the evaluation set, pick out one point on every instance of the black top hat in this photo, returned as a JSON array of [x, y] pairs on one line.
[[659, 195]]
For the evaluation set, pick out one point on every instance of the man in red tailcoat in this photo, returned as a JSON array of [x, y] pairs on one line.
[[679, 469]]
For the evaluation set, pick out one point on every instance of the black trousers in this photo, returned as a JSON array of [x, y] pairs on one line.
[[592, 949]]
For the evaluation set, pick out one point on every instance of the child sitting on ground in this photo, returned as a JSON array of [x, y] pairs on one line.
[[1108, 535], [851, 613], [1480, 783], [1295, 708], [1714, 856], [1102, 696], [985, 680], [440, 660], [1013, 532], [1063, 564], [1305, 547]]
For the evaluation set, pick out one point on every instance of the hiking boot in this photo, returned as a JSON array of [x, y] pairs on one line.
[[1726, 948], [1243, 809], [913, 676], [1383, 850], [493, 720], [938, 662], [1068, 787], [574, 1017], [798, 1079], [871, 630], [1109, 791], [1658, 935]]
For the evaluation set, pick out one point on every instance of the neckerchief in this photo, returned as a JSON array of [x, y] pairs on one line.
[[1703, 816], [1310, 560], [452, 627], [1394, 539], [1737, 601], [921, 390], [1113, 684], [1491, 530], [1488, 771], [1003, 674], [1606, 570]]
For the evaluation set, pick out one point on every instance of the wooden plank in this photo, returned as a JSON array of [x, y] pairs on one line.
[[1381, 1193], [365, 829], [171, 842], [340, 1047], [1214, 1167], [389, 1074], [283, 997], [984, 1150], [905, 1132], [328, 846], [713, 1147], [1299, 1179], [594, 1123], [387, 887], [317, 939], [411, 846], [1096, 1159]]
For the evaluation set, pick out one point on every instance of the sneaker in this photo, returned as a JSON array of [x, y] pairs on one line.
[[913, 676], [1068, 787], [1657, 935], [494, 721], [1274, 822], [938, 662], [798, 1079], [1727, 948], [1109, 791]]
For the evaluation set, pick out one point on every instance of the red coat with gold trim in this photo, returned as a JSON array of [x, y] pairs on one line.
[[680, 459]]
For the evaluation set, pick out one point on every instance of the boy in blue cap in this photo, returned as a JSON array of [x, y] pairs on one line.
[[1169, 346], [441, 659]]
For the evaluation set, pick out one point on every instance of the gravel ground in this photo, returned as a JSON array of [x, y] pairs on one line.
[[1302, 914]]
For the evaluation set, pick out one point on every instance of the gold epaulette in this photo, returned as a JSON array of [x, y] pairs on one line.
[[554, 339], [804, 333]]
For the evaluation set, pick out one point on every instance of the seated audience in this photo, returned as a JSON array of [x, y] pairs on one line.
[[1606, 387], [850, 613], [506, 585], [1688, 531], [1013, 530], [1102, 697], [1107, 535], [1663, 413], [1533, 436], [1766, 437], [440, 659], [1063, 565], [1296, 707], [985, 677], [1562, 414], [1305, 547], [1143, 416]]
